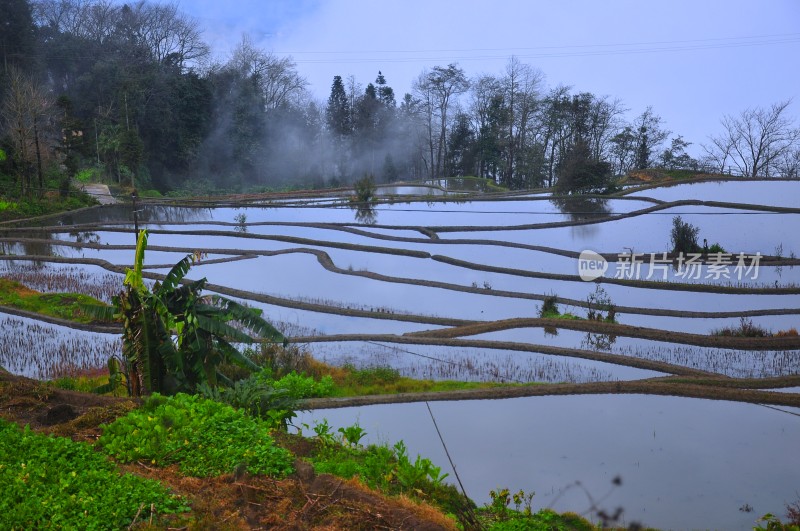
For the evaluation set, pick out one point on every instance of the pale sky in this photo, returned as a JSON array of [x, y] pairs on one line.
[[692, 60]]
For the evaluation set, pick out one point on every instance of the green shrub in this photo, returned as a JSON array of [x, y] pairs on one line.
[[549, 307], [386, 468], [377, 465], [371, 375], [716, 248], [53, 482], [87, 175], [684, 236], [256, 398], [205, 437], [364, 189], [298, 386]]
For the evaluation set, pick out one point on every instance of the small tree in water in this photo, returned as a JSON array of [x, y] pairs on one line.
[[684, 236], [364, 189]]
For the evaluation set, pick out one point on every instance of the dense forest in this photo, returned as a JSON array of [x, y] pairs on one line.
[[130, 93]]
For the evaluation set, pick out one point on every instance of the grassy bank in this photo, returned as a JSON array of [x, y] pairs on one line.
[[59, 305], [190, 462]]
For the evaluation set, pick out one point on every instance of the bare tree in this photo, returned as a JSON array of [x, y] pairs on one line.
[[649, 134], [789, 165], [169, 35], [436, 89], [604, 122], [24, 117], [485, 92], [521, 87], [276, 77], [757, 139], [554, 128], [172, 36], [717, 152], [94, 20]]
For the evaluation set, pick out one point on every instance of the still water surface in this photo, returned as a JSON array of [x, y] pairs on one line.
[[684, 463]]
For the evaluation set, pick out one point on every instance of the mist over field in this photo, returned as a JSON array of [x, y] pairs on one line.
[[151, 103]]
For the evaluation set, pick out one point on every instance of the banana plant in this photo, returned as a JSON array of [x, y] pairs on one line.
[[174, 337]]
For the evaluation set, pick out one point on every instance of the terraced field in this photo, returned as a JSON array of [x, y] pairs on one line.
[[452, 286]]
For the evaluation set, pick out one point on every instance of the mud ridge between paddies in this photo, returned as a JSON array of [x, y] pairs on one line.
[[616, 329], [325, 260], [668, 386]]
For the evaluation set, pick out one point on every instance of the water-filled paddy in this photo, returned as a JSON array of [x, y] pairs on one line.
[[474, 364], [41, 350], [684, 463], [774, 192], [737, 232]]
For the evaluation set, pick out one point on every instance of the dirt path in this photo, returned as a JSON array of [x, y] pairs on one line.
[[99, 192]]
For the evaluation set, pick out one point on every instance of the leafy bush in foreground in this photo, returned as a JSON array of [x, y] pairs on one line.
[[204, 437], [380, 466], [55, 482]]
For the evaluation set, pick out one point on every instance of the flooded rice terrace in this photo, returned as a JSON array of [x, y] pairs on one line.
[[445, 285]]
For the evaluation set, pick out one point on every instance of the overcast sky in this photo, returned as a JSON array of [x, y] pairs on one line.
[[692, 60]]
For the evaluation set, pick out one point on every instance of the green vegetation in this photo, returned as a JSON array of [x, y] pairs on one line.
[[498, 515], [684, 236], [770, 522], [716, 248], [549, 308], [680, 174], [13, 206], [600, 307], [174, 338], [88, 175], [364, 189], [61, 305], [203, 436], [580, 172], [382, 467], [350, 381], [54, 482], [390, 469], [319, 379], [264, 397]]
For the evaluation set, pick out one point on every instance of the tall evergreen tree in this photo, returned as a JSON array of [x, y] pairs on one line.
[[385, 92], [338, 111]]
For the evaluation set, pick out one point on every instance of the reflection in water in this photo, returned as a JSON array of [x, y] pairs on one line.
[[365, 213], [122, 213], [85, 237], [31, 245], [241, 220], [600, 342], [580, 208]]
